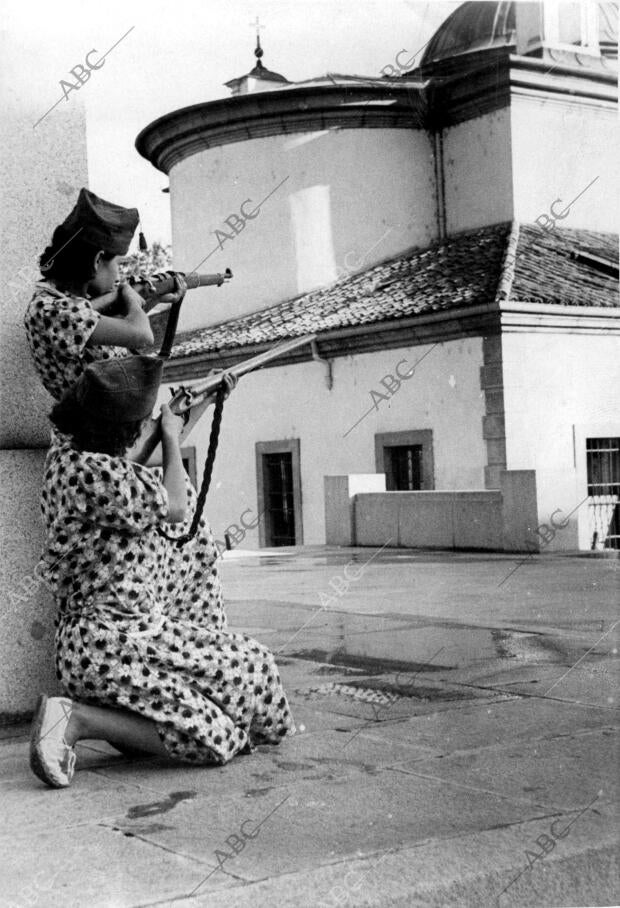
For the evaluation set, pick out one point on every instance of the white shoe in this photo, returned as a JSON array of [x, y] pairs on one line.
[[51, 758]]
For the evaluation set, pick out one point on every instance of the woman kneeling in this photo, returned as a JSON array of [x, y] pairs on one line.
[[137, 671]]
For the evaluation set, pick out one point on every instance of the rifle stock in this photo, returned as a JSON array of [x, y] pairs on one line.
[[151, 288], [192, 401]]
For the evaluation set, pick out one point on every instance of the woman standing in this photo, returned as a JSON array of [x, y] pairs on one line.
[[138, 672]]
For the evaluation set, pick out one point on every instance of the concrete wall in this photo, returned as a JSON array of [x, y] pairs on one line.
[[40, 169], [294, 402], [558, 148], [501, 520], [558, 389], [443, 520], [26, 607], [351, 198]]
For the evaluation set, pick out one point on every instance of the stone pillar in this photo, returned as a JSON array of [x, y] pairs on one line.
[[41, 170], [339, 506], [493, 425], [519, 510]]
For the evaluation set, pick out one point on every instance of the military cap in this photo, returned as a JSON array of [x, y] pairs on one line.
[[123, 389], [105, 225]]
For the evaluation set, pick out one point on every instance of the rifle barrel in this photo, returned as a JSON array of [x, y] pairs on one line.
[[255, 362], [160, 284], [188, 397]]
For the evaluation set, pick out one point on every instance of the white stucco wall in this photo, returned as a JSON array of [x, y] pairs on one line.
[[294, 402], [41, 168], [515, 162], [558, 389], [558, 148], [478, 172], [351, 198]]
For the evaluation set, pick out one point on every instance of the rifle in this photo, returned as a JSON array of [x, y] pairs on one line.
[[190, 402], [159, 284], [151, 288]]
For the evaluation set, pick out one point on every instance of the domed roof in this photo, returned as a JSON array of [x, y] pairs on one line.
[[477, 25], [481, 25]]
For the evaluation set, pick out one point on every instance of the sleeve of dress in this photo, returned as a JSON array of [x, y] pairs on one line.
[[72, 320], [116, 493]]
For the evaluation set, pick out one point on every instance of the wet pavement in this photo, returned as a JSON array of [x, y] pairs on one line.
[[457, 744]]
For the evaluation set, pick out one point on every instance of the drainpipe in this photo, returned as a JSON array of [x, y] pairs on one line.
[[329, 375], [440, 185]]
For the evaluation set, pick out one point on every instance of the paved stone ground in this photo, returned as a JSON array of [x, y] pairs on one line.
[[457, 745]]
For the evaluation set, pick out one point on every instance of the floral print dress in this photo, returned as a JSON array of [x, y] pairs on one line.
[[134, 631], [58, 328]]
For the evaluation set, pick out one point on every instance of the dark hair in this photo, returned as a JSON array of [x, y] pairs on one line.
[[70, 260], [89, 432]]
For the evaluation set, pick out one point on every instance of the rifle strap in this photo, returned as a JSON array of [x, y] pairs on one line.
[[207, 473], [171, 329]]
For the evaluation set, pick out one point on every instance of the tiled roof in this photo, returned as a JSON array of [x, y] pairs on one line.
[[545, 272], [464, 271]]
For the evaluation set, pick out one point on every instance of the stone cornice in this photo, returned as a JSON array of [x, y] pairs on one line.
[[184, 132], [534, 317], [474, 321], [387, 335], [448, 97], [491, 83]]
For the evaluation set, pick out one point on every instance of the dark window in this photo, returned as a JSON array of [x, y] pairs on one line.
[[278, 491], [278, 486], [406, 458], [403, 468], [603, 474]]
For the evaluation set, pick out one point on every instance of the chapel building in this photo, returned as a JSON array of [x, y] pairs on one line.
[[446, 232]]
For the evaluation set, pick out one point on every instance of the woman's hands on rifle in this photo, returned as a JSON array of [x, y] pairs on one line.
[[228, 380], [115, 302], [178, 294], [128, 327]]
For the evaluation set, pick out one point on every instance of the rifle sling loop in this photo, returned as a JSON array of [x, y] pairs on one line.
[[171, 330], [207, 473]]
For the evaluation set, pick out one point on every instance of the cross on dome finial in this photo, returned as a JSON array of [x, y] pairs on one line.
[[259, 78], [258, 52]]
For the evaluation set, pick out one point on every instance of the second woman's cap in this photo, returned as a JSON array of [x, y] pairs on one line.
[[123, 389]]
